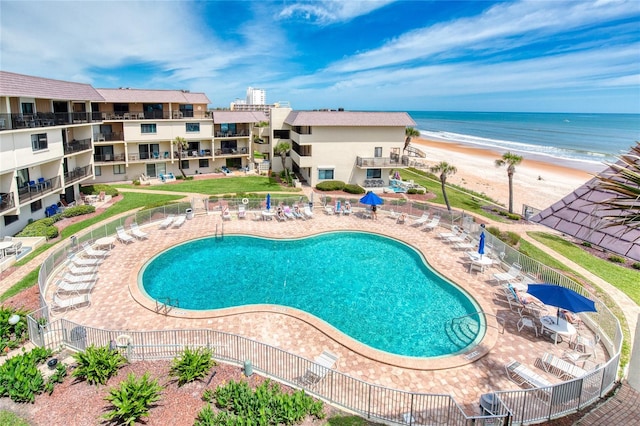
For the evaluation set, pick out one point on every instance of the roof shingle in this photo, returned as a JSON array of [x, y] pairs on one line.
[[12, 84]]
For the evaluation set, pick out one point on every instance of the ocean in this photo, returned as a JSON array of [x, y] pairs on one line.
[[582, 141]]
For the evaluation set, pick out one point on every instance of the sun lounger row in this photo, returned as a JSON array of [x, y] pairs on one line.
[[173, 221]]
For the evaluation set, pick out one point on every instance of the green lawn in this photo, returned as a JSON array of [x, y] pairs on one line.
[[230, 185], [624, 279], [7, 418]]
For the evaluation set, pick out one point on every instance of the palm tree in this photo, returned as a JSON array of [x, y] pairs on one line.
[[445, 169], [410, 133], [182, 144], [282, 149], [511, 160], [623, 208]]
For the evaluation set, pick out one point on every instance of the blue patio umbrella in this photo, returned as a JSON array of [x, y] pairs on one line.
[[481, 244], [268, 201], [561, 298], [371, 199]]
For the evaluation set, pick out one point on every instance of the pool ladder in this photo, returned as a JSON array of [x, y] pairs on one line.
[[221, 231], [165, 306]]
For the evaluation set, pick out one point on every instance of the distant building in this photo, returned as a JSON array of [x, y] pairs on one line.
[[256, 96]]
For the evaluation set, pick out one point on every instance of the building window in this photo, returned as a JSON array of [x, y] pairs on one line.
[[281, 134], [325, 173], [120, 109], [185, 164], [36, 205], [98, 170], [192, 127], [377, 152], [186, 110], [27, 108], [39, 142], [374, 173], [148, 128], [203, 162], [10, 218], [118, 169]]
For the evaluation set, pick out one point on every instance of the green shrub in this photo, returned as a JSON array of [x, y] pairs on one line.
[[97, 364], [192, 364], [98, 188], [78, 210], [135, 182], [40, 228], [636, 265], [57, 377], [353, 189], [616, 259], [12, 336], [20, 378], [513, 216], [586, 244], [206, 417], [512, 238], [330, 185], [415, 191], [208, 395], [132, 399]]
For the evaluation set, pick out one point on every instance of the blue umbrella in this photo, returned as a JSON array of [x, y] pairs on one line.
[[481, 244], [561, 297], [268, 201], [371, 199]]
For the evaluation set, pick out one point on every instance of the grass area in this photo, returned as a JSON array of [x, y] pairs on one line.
[[7, 418], [624, 279], [348, 421], [230, 185]]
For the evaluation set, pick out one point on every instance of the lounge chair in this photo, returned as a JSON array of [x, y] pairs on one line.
[[242, 213], [137, 232], [421, 220], [465, 245], [60, 304], [402, 218], [288, 213], [179, 220], [522, 375], [14, 248], [307, 212], [435, 221], [512, 274], [84, 261], [338, 208], [328, 210], [123, 236], [67, 287], [561, 368], [460, 238], [75, 279], [226, 214], [167, 221], [455, 231], [91, 252], [81, 270], [347, 209], [297, 213], [320, 367], [575, 357]]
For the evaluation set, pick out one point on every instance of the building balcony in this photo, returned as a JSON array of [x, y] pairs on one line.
[[38, 188], [237, 134], [108, 137], [45, 119], [76, 174], [77, 146], [231, 152], [382, 162], [6, 201], [108, 158]]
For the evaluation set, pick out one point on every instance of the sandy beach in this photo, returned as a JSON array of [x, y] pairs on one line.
[[536, 183]]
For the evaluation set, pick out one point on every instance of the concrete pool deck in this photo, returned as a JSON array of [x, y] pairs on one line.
[[113, 307]]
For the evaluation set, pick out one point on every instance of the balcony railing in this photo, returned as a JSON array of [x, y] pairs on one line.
[[151, 115], [108, 137], [76, 174], [77, 146], [44, 119], [38, 189], [107, 158], [393, 161], [237, 133], [6, 201]]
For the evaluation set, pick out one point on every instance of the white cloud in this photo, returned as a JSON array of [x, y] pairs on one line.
[[331, 11]]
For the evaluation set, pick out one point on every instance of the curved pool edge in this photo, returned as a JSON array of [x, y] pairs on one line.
[[486, 343]]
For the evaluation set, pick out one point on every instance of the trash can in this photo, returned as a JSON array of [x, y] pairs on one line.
[[248, 368], [189, 213], [78, 337], [489, 404]]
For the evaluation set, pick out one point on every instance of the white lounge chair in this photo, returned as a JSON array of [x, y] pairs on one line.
[[460, 238], [512, 274], [226, 214], [179, 220], [67, 287], [137, 232], [347, 209], [79, 278], [455, 231], [329, 210], [167, 221], [466, 245], [288, 213], [91, 252], [561, 368], [60, 304], [297, 213], [522, 375], [421, 220], [84, 261], [435, 221], [320, 367], [242, 213], [81, 270], [123, 236], [307, 212]]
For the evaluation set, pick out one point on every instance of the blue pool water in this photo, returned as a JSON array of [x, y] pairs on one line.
[[377, 290]]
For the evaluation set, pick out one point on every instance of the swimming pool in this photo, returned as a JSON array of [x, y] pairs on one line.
[[374, 289]]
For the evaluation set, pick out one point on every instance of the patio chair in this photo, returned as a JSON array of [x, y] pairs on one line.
[[297, 213], [75, 279], [523, 376], [242, 212], [421, 220], [67, 287], [288, 213], [123, 236], [226, 214], [586, 344], [329, 210], [14, 248], [402, 218], [435, 221], [307, 212], [460, 238], [180, 220], [512, 274], [91, 252], [167, 221], [561, 368], [347, 209], [81, 270], [576, 357], [60, 304], [85, 261], [137, 232], [455, 231], [320, 367], [528, 322]]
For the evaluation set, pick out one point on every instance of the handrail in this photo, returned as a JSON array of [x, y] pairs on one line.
[[499, 320]]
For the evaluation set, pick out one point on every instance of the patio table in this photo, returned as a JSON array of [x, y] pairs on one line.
[[557, 327]]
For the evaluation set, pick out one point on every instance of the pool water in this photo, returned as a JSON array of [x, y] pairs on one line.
[[376, 290]]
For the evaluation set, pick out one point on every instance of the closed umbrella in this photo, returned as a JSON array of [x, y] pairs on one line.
[[268, 201], [561, 298], [481, 244]]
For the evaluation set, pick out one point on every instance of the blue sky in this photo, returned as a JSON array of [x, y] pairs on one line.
[[547, 56]]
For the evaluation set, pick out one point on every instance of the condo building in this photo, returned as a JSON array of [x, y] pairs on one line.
[[56, 136]]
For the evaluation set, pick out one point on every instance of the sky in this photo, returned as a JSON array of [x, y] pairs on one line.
[[535, 56]]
